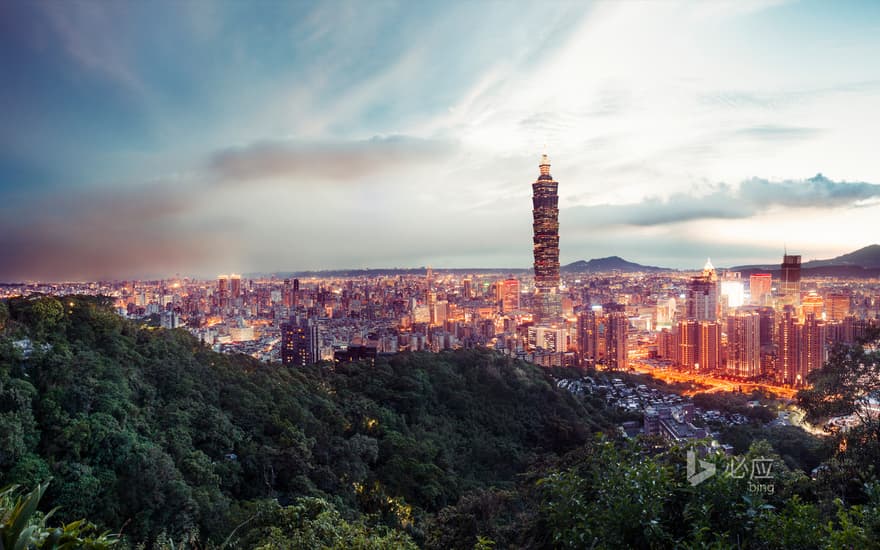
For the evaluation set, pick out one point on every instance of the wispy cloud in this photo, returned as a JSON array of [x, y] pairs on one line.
[[91, 35], [775, 132]]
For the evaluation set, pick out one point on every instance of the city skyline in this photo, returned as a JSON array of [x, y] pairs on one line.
[[311, 137]]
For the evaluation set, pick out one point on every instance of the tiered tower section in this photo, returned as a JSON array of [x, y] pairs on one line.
[[545, 214]]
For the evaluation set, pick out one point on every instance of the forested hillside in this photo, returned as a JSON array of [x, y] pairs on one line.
[[148, 432], [164, 444]]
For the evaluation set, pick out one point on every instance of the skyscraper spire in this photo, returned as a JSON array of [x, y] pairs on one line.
[[545, 165]]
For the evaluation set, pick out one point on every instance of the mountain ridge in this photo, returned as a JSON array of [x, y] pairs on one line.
[[609, 263], [865, 260]]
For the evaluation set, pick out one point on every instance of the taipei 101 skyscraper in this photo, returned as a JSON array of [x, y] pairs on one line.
[[547, 307]]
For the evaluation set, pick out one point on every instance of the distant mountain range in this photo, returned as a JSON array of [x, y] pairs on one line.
[[611, 263], [864, 262]]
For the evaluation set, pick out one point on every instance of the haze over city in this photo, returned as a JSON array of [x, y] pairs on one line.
[[147, 140]]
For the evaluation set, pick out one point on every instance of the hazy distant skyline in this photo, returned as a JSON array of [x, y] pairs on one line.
[[147, 139]]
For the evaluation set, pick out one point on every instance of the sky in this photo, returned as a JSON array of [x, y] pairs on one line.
[[147, 139]]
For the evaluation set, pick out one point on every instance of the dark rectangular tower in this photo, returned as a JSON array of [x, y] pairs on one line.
[[790, 287], [299, 343]]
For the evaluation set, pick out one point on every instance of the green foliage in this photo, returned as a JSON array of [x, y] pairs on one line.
[[487, 516], [847, 380], [150, 430], [632, 496], [798, 449], [314, 523], [612, 497], [4, 314], [148, 433], [23, 526]]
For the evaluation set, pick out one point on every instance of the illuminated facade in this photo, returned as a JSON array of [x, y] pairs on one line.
[[744, 344], [587, 329], [616, 330], [702, 297], [759, 288], [813, 304], [709, 347], [732, 290], [790, 286], [299, 343], [545, 212], [235, 286], [222, 291], [508, 295], [812, 348], [838, 306], [787, 347]]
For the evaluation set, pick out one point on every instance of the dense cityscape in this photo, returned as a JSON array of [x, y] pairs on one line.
[[727, 327]]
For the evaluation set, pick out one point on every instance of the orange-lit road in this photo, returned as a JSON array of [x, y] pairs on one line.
[[712, 383]]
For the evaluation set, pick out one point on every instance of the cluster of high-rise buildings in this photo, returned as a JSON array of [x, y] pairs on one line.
[[778, 337]]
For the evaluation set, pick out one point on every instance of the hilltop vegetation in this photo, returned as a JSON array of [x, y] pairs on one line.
[[153, 437], [150, 430]]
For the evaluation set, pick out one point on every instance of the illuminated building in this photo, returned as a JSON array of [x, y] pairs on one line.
[[616, 332], [421, 314], [548, 338], [235, 286], [790, 285], [665, 344], [698, 345], [545, 214], [812, 348], [767, 317], [586, 336], [665, 312], [838, 306], [702, 296], [709, 347], [299, 343], [788, 353], [686, 339], [732, 289], [439, 312], [287, 294], [760, 285], [222, 290], [431, 300], [354, 353], [467, 290], [744, 344], [509, 295], [813, 304]]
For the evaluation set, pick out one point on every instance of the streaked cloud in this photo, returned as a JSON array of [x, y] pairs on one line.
[[772, 132]]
